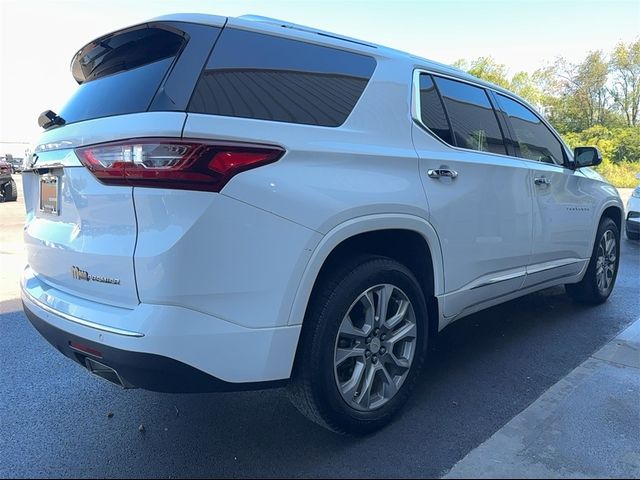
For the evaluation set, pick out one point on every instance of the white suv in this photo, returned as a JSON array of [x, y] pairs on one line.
[[233, 203]]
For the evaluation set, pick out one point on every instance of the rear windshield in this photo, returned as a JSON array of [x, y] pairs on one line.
[[121, 73], [252, 75]]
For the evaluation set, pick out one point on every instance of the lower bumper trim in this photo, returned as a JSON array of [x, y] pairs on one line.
[[143, 370]]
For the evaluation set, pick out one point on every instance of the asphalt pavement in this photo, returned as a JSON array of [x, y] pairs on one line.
[[57, 420], [585, 426]]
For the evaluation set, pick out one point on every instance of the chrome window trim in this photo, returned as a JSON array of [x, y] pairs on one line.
[[415, 115]]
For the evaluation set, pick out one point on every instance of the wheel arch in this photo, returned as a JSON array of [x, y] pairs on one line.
[[612, 209], [412, 237], [614, 212]]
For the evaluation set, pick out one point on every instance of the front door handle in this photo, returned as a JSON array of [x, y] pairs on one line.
[[442, 172], [541, 181]]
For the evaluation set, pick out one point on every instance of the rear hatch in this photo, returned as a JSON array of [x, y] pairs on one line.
[[81, 233]]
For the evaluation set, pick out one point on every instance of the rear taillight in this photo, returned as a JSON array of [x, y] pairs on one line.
[[178, 164]]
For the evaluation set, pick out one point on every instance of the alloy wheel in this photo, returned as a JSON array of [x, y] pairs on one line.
[[375, 347], [606, 261]]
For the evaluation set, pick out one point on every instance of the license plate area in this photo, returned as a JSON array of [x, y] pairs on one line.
[[50, 194]]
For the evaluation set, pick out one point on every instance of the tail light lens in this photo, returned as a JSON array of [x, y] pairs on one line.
[[177, 164]]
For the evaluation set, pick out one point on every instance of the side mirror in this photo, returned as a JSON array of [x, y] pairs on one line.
[[586, 157]]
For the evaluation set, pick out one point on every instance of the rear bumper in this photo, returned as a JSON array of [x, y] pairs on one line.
[[141, 370], [161, 347]]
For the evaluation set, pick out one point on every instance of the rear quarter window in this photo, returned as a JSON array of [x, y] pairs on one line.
[[252, 75]]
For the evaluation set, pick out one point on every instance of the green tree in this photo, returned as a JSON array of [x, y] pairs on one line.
[[487, 69], [625, 68], [584, 94]]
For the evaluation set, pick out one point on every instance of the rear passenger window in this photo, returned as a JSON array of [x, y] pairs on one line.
[[472, 117], [431, 109], [535, 140], [265, 77]]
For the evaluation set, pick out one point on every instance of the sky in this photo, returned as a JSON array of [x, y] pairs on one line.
[[39, 37]]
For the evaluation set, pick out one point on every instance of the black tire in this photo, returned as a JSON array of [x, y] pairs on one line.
[[588, 291], [313, 388], [9, 191]]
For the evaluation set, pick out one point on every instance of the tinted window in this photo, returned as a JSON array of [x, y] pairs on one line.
[[431, 109], [535, 140], [120, 73], [472, 118], [127, 92], [124, 51], [260, 76]]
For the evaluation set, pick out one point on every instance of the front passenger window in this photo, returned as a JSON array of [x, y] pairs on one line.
[[535, 140]]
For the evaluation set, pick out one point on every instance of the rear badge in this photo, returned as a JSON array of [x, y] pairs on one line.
[[83, 275]]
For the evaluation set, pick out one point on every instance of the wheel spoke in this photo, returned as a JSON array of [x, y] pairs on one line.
[[390, 387], [343, 354], [408, 331], [398, 361], [608, 276], [364, 399], [398, 316], [351, 386], [370, 311], [382, 308], [611, 243], [348, 329]]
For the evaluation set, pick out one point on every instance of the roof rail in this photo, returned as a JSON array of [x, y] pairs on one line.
[[302, 28]]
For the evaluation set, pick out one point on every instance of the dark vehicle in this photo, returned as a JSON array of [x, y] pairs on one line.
[[8, 188], [16, 163]]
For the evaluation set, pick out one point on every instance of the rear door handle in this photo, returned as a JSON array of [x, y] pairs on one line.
[[541, 181], [442, 172]]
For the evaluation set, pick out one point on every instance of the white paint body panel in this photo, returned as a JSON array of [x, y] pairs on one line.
[[221, 281], [483, 219], [216, 255]]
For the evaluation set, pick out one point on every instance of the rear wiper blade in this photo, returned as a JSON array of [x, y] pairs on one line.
[[50, 118]]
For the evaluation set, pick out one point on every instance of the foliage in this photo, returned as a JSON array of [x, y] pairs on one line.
[[625, 70], [595, 102], [622, 175], [620, 148]]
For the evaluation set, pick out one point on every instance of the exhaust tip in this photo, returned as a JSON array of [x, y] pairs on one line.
[[104, 371]]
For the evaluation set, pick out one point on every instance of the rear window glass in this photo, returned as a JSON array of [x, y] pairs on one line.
[[472, 117], [259, 76], [120, 73], [431, 109]]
